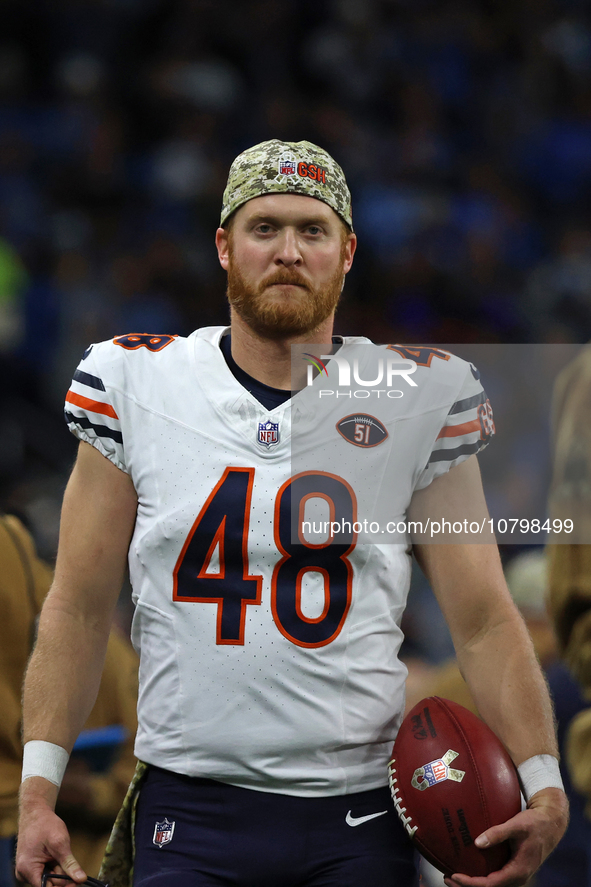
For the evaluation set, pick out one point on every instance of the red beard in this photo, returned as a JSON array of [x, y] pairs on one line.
[[276, 315]]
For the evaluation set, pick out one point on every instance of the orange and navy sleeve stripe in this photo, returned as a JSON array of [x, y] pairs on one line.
[[95, 406], [467, 430], [89, 414]]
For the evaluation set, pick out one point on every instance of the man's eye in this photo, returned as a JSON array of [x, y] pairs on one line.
[[263, 229], [314, 230]]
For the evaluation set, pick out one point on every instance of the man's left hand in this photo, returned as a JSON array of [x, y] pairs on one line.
[[533, 834]]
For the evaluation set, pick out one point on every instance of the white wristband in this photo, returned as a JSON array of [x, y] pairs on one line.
[[44, 759], [539, 772]]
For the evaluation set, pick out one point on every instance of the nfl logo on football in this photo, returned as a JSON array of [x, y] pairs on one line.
[[437, 771], [268, 434], [287, 165], [163, 832]]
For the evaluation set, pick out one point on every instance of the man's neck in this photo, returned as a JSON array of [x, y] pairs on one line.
[[269, 360]]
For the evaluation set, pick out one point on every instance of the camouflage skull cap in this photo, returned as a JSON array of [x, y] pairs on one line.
[[276, 167]]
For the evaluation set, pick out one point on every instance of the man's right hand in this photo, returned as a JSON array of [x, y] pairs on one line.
[[43, 836]]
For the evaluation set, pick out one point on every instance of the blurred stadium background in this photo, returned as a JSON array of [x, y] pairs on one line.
[[464, 128]]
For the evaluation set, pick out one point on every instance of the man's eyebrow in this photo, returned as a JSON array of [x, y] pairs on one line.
[[277, 220], [262, 217]]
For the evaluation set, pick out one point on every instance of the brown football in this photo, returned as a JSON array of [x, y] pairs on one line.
[[451, 779]]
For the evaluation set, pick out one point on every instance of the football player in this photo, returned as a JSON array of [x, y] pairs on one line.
[[270, 685]]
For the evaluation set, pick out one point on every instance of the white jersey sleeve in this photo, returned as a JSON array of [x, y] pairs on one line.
[[467, 429], [91, 408]]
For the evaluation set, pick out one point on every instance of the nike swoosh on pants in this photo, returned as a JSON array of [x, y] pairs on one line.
[[358, 820]]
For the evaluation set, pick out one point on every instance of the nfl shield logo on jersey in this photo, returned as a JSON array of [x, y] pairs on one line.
[[163, 832], [268, 434]]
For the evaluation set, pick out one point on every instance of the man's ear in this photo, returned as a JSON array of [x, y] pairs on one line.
[[222, 245], [350, 247]]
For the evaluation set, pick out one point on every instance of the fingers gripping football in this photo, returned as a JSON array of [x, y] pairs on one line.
[[457, 794], [532, 835], [451, 780]]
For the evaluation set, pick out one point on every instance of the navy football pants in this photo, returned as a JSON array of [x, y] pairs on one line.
[[224, 836]]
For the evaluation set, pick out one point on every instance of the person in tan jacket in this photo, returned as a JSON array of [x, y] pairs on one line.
[[24, 582], [89, 801]]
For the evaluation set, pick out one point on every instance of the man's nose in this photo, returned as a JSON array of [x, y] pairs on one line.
[[288, 250]]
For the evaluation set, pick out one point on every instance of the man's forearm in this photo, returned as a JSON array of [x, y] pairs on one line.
[[493, 647], [64, 674], [506, 681]]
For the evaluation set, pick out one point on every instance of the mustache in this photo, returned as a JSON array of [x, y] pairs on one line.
[[284, 277]]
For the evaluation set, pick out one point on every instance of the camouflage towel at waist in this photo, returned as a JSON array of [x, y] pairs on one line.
[[117, 867]]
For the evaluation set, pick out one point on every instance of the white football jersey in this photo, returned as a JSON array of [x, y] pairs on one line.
[[266, 662]]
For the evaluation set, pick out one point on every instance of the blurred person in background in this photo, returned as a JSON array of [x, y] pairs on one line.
[[528, 581], [557, 295], [24, 582], [99, 773], [13, 284], [570, 561]]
